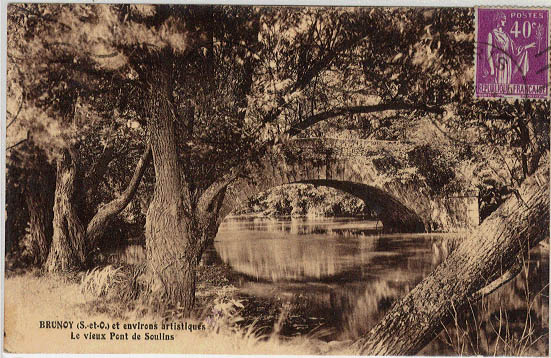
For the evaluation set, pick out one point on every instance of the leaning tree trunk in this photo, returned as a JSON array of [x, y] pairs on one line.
[[68, 248], [100, 221], [521, 222]]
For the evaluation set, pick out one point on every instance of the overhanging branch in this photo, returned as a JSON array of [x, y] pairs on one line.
[[339, 111]]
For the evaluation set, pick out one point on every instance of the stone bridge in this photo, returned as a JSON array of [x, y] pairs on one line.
[[373, 171]]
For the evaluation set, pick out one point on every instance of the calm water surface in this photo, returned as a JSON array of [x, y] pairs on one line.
[[345, 270]]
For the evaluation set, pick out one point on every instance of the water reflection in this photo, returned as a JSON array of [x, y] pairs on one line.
[[350, 274], [326, 250]]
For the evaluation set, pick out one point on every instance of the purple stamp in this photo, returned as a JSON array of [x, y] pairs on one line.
[[512, 53]]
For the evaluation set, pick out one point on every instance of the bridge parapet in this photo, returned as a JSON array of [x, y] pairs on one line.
[[338, 147]]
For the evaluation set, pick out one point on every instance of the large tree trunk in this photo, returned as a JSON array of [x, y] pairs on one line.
[[68, 248], [172, 242], [520, 223]]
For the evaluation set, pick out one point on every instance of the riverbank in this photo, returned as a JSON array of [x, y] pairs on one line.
[[233, 323]]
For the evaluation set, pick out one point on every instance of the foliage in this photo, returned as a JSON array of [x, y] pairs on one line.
[[491, 195], [58, 99], [433, 165], [267, 69], [304, 200], [100, 281], [516, 129], [387, 164], [225, 313], [256, 75], [240, 77]]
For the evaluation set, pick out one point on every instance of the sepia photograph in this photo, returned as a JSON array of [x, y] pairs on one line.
[[280, 180]]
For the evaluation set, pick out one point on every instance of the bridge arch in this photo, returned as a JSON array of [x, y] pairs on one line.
[[350, 166], [394, 215]]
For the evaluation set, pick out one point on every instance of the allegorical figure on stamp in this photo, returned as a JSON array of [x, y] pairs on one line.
[[504, 57]]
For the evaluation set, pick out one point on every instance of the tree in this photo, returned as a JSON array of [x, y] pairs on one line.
[[481, 264], [59, 126], [30, 184], [261, 69]]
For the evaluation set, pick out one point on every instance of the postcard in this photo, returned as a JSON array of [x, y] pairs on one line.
[[287, 180]]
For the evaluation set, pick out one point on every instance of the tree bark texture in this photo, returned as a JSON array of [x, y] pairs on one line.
[[176, 232], [99, 222], [520, 223], [39, 195], [90, 200], [39, 232], [68, 248]]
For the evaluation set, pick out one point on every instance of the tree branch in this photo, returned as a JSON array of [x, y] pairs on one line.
[[339, 111], [97, 225], [325, 61], [207, 200], [16, 144], [500, 281], [317, 66], [99, 168]]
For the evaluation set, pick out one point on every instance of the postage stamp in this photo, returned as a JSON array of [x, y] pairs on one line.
[[512, 53]]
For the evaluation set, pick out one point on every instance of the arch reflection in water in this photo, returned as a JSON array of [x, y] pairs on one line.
[[298, 249]]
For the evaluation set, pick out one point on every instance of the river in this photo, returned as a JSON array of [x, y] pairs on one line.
[[346, 274]]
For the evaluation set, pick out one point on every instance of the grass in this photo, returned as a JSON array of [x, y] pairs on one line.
[[108, 295], [239, 325], [493, 332], [501, 324]]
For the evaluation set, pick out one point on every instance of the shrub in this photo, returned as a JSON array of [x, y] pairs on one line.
[[387, 165], [433, 165], [122, 283]]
